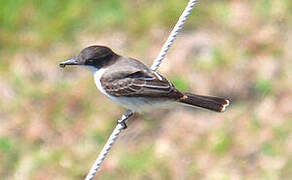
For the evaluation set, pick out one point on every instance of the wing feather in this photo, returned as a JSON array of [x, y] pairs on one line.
[[139, 84]]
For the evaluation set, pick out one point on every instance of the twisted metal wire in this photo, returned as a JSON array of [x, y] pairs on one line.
[[107, 147], [111, 140], [173, 34]]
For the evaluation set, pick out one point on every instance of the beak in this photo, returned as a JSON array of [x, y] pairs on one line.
[[69, 62]]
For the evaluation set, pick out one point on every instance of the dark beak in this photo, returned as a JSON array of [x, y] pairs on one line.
[[69, 62]]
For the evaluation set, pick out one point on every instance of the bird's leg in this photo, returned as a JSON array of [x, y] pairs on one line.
[[124, 118]]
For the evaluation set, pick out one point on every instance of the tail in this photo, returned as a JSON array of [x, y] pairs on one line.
[[212, 103]]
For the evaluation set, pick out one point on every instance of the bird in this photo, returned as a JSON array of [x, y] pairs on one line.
[[130, 83]]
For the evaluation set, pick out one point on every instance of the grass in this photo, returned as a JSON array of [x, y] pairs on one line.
[[53, 122]]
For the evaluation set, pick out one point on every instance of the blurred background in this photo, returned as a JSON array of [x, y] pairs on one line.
[[54, 122]]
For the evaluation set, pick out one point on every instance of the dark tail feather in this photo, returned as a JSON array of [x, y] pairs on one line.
[[212, 103]]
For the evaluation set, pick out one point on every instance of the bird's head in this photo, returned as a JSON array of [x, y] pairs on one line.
[[95, 57]]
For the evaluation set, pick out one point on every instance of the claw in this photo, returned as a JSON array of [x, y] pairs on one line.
[[123, 123], [124, 118]]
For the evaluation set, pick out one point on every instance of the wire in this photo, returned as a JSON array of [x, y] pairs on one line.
[[111, 140], [102, 155], [108, 145], [173, 34]]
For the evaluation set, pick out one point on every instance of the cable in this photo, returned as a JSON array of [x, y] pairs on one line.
[[111, 140], [108, 145], [173, 34]]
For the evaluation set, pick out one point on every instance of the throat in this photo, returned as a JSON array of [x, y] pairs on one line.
[[92, 69]]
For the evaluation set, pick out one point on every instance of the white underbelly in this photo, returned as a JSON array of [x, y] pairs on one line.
[[138, 104]]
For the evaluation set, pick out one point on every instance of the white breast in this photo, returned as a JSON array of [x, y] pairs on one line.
[[97, 76]]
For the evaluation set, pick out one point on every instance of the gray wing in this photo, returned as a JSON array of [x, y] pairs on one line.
[[134, 81]]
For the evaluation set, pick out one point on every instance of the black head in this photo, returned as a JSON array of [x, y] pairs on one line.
[[96, 56]]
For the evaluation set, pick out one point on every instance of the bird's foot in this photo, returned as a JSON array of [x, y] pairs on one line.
[[124, 118]]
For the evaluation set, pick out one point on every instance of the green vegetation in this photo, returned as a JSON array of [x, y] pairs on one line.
[[53, 122]]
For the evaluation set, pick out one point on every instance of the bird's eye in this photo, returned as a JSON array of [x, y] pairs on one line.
[[89, 61]]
